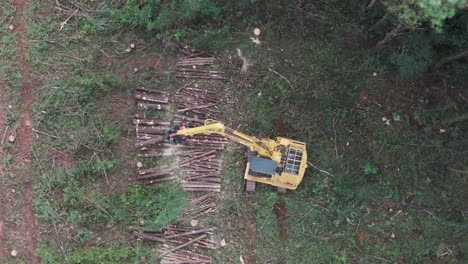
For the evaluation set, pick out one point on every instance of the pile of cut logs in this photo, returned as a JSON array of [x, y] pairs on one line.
[[151, 99], [191, 59], [201, 171], [155, 175], [151, 137]]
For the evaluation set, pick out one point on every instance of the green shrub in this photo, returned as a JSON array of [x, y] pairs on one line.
[[102, 255], [158, 206], [415, 58], [152, 14], [111, 134]]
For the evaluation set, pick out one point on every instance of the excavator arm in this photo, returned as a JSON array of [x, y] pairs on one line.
[[215, 127]]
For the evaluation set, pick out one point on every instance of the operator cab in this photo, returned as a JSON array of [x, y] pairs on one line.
[[261, 167]]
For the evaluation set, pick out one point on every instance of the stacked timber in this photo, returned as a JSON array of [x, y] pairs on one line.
[[192, 64], [151, 137], [151, 99], [155, 175], [201, 171]]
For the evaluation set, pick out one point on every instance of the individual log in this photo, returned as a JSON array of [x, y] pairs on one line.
[[153, 175], [158, 153], [146, 106], [159, 180], [151, 130], [193, 232], [148, 237], [199, 74], [190, 189], [199, 71], [149, 90], [204, 178], [195, 107], [182, 118], [153, 170], [151, 122], [199, 61], [143, 136], [201, 185], [151, 141], [141, 96]]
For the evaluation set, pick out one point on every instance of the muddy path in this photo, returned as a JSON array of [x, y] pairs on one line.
[[24, 141], [282, 216], [3, 239]]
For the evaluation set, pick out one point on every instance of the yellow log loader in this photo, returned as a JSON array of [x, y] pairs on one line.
[[280, 162]]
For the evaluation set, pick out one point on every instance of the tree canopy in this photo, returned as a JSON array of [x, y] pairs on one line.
[[417, 12]]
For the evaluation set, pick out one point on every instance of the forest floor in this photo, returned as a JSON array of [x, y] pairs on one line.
[[381, 148]]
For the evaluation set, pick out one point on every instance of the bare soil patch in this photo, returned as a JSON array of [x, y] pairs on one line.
[[24, 140], [282, 215], [3, 239]]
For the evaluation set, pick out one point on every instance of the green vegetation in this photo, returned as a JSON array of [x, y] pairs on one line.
[[435, 12], [384, 120]]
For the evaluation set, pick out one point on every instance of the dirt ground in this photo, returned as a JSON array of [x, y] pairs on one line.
[[21, 153]]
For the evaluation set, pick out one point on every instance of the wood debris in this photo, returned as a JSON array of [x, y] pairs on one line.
[[187, 51], [201, 207], [197, 103], [183, 256], [177, 235]]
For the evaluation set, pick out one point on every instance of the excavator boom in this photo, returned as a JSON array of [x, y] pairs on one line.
[[214, 127]]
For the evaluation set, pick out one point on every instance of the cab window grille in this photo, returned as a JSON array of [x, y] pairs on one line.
[[293, 161]]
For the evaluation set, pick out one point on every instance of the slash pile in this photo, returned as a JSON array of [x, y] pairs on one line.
[[197, 102], [202, 207]]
